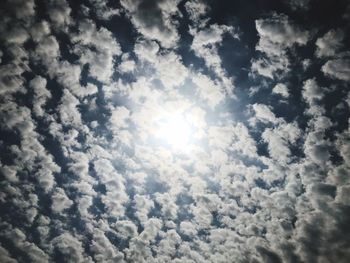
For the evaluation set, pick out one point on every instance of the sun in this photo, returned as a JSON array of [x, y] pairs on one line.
[[175, 131]]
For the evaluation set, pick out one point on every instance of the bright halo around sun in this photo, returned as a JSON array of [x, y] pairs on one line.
[[175, 131]]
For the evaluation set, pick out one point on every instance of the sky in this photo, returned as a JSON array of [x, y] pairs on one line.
[[183, 131]]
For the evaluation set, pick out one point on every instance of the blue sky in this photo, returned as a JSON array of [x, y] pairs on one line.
[[174, 131]]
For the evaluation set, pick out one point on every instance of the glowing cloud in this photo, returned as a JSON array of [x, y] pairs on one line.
[[175, 131]]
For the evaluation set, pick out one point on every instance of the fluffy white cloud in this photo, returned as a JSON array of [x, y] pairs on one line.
[[277, 34], [70, 247], [205, 45], [41, 94], [115, 196], [278, 140], [60, 201], [329, 44], [281, 89], [263, 113], [208, 90], [197, 10], [59, 13], [154, 19], [101, 57], [337, 68], [103, 248], [86, 176]]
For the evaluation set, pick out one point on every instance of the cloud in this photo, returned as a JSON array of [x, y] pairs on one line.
[[5, 256], [299, 4], [205, 45], [143, 205], [97, 48], [70, 248], [126, 229], [39, 30], [154, 20], [115, 196], [281, 89], [337, 68], [48, 49], [19, 241], [197, 11], [104, 249], [127, 65], [31, 153], [208, 90], [278, 31], [278, 140], [263, 114], [17, 35], [312, 93], [330, 43], [103, 10], [60, 201], [59, 13], [277, 34], [86, 178], [41, 94]]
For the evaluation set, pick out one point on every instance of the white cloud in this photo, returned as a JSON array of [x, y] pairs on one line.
[[279, 140], [41, 95], [70, 247], [23, 9], [263, 113], [337, 68], [313, 93], [103, 248], [127, 65], [125, 229], [48, 49], [85, 202], [17, 35], [115, 196], [205, 45], [154, 19], [208, 90], [329, 44], [100, 59], [6, 257], [120, 116], [146, 50], [277, 34], [143, 204], [60, 201], [19, 240], [197, 10], [40, 30], [188, 228], [281, 89], [69, 113], [93, 147], [59, 13], [102, 10]]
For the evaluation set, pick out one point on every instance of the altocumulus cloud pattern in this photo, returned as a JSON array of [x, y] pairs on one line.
[[174, 131]]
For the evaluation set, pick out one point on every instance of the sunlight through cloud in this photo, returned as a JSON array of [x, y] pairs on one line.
[[175, 131]]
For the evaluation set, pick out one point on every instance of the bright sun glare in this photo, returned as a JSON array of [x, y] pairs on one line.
[[175, 131]]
